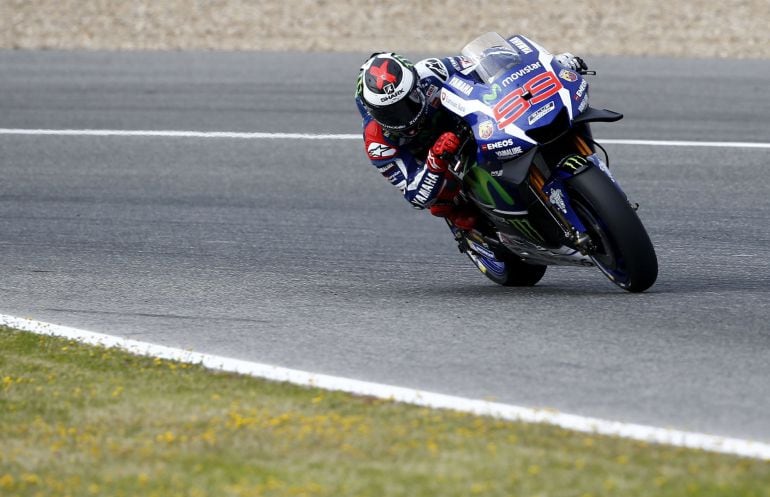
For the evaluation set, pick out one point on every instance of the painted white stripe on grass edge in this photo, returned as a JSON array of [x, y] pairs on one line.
[[644, 433], [312, 136]]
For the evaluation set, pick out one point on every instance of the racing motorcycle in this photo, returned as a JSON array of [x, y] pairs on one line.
[[529, 163]]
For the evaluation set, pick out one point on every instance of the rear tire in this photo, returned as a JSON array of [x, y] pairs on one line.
[[508, 270], [623, 250]]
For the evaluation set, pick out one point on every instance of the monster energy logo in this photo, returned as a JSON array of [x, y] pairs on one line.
[[574, 162], [492, 96], [402, 60], [524, 227], [360, 84]]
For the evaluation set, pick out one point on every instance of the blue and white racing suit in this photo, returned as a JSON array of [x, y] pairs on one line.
[[402, 159]]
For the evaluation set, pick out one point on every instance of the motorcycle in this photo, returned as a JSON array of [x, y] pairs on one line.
[[529, 164]]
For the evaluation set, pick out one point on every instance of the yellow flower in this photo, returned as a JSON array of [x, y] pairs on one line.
[[6, 481], [167, 437], [433, 447], [209, 437], [30, 479]]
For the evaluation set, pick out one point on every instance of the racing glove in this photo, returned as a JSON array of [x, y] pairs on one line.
[[442, 151], [571, 62]]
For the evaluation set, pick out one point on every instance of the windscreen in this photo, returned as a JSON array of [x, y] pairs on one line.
[[493, 56]]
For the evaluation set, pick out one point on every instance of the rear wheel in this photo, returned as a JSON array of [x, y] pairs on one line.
[[622, 249], [506, 270]]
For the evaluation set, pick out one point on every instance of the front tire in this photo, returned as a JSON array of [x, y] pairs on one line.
[[622, 249]]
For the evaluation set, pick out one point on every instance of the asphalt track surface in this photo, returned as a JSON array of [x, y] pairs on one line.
[[297, 253]]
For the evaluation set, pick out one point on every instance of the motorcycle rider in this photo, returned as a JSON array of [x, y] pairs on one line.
[[408, 135]]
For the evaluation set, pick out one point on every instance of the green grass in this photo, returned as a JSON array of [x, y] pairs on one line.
[[79, 420]]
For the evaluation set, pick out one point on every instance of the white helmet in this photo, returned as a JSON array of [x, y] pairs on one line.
[[391, 94]]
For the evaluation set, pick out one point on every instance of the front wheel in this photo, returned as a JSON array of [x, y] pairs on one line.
[[621, 247]]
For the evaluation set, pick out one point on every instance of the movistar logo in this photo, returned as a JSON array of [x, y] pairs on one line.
[[490, 97]]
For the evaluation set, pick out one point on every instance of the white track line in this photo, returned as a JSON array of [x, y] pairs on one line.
[[675, 143], [584, 424], [177, 134], [311, 136]]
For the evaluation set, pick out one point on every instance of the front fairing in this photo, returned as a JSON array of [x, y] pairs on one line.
[[513, 97]]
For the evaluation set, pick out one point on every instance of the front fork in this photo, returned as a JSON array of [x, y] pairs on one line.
[[552, 194], [553, 197]]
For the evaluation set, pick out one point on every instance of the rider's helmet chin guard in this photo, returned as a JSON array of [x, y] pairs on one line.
[[391, 93]]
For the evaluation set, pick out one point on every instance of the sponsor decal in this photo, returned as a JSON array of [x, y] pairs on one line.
[[496, 173], [521, 72], [360, 84], [605, 169], [486, 129], [542, 111], [568, 75], [395, 177], [393, 174], [490, 97], [465, 62], [525, 228], [428, 182], [402, 60], [487, 189], [581, 89], [497, 145], [437, 67], [519, 44], [557, 198], [461, 85], [574, 163], [509, 153], [482, 251], [391, 94], [453, 102], [583, 105], [378, 151], [431, 96], [461, 63]]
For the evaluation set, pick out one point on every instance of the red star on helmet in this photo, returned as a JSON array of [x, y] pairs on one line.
[[381, 74]]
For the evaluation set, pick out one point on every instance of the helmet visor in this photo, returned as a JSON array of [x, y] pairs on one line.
[[400, 115]]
